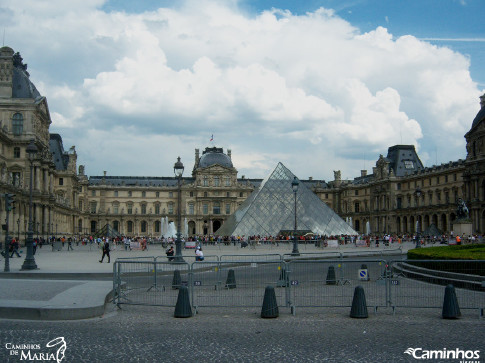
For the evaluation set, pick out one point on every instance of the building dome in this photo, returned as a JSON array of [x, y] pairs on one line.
[[212, 156]]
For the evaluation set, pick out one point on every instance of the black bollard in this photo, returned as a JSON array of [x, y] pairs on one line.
[[331, 279], [270, 305], [177, 280], [359, 305], [451, 310], [231, 280], [182, 308]]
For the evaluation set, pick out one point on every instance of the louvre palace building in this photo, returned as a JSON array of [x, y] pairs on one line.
[[398, 192]]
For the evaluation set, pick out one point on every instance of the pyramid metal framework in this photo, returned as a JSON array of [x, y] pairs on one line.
[[107, 231], [271, 209]]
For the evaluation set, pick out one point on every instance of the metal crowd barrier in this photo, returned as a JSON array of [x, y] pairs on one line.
[[420, 283], [234, 283], [331, 283], [298, 282]]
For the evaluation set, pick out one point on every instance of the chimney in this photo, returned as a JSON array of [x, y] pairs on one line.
[[196, 157], [363, 173], [482, 101], [6, 72], [310, 178]]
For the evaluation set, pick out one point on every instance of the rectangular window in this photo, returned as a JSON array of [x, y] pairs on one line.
[[157, 194], [216, 209], [205, 208], [357, 207], [157, 208], [130, 193], [129, 209], [16, 152], [115, 193], [356, 192], [228, 194], [170, 194], [80, 205], [93, 207], [399, 203], [398, 186], [191, 208], [143, 209], [93, 193], [191, 194], [216, 181], [115, 209], [143, 194], [170, 208], [326, 195], [228, 209], [205, 181], [61, 181], [228, 181]]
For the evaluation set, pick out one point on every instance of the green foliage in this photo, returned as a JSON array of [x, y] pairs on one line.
[[454, 252]]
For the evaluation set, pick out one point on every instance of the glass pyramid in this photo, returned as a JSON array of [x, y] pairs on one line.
[[270, 209]]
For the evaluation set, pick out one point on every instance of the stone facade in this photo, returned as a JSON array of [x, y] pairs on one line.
[[24, 115], [67, 202]]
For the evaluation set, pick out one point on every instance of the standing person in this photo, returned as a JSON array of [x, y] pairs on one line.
[[69, 244], [105, 250]]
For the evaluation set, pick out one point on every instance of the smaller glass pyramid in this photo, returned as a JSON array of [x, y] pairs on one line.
[[270, 209]]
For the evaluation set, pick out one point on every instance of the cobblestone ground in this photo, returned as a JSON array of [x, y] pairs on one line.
[[151, 334]]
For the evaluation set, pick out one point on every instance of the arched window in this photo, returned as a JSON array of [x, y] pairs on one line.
[[17, 124]]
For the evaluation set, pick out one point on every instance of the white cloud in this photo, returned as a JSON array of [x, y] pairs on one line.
[[271, 87]]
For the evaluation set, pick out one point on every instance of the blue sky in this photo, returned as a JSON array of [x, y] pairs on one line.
[[130, 81]]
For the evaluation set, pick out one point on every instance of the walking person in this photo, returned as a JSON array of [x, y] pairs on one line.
[[69, 244], [105, 250], [14, 248]]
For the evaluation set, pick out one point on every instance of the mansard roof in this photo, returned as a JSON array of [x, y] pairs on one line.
[[59, 156], [403, 160]]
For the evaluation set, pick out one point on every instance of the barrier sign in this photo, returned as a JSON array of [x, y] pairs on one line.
[[394, 282], [332, 243], [294, 282], [363, 275]]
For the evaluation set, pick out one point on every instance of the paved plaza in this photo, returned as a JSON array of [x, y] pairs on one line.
[[68, 281]]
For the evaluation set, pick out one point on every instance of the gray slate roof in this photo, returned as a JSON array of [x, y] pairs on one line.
[[59, 156], [22, 87]]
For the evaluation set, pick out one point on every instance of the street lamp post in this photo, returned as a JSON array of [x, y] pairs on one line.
[[29, 262], [178, 170], [417, 194], [294, 187], [18, 230]]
